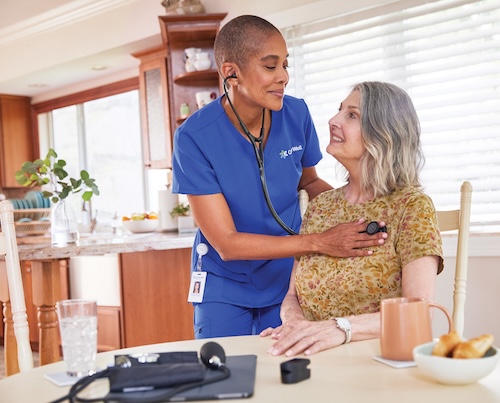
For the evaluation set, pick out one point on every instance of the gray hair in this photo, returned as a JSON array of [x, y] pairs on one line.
[[391, 133], [241, 38]]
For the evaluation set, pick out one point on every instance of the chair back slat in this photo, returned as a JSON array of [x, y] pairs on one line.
[[459, 220], [8, 248]]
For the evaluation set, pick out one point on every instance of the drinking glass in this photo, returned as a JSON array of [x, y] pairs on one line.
[[78, 326]]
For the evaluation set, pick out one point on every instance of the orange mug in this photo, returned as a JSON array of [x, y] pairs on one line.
[[404, 324]]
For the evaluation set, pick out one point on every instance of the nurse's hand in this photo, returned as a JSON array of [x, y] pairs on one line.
[[350, 239]]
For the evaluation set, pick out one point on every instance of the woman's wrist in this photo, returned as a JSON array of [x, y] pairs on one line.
[[290, 317]]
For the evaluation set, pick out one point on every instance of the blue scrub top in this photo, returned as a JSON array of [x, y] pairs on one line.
[[210, 157]]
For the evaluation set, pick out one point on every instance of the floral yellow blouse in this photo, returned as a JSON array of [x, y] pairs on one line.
[[330, 287]]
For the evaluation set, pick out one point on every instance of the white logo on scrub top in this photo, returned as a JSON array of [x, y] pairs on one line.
[[290, 151]]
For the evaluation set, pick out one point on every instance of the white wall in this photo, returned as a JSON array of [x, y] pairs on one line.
[[96, 278]]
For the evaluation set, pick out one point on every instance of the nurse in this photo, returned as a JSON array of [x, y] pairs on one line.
[[242, 256]]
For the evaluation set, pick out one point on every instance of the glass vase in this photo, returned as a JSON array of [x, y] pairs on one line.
[[63, 224]]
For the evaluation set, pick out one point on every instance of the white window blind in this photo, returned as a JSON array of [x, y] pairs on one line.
[[446, 55]]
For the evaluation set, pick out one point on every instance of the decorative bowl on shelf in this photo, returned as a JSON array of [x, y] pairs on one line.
[[454, 371], [173, 7], [141, 226]]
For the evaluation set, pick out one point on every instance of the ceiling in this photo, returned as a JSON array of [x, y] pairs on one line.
[[50, 48], [44, 49]]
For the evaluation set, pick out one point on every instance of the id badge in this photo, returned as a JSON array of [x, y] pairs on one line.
[[197, 286]]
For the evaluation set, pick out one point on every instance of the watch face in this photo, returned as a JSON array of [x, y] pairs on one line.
[[344, 324]]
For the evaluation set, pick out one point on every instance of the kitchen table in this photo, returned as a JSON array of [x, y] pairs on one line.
[[346, 373]]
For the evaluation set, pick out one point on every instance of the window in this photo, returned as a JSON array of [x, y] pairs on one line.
[[446, 54], [102, 136]]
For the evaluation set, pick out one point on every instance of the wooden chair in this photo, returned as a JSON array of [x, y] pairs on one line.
[[10, 273], [459, 220]]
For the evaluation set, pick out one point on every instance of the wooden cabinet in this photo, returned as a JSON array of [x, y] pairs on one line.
[[16, 143], [155, 114], [179, 33], [109, 328], [155, 287], [165, 85]]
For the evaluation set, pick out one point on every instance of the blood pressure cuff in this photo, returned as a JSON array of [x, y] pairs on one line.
[[142, 374]]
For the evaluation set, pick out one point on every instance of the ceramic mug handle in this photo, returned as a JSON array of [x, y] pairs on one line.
[[445, 311]]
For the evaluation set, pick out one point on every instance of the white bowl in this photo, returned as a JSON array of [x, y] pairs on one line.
[[454, 371], [140, 226]]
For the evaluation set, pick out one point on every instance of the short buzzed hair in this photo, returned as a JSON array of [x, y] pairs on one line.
[[241, 38]]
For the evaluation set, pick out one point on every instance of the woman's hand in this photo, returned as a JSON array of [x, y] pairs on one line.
[[271, 331], [307, 337]]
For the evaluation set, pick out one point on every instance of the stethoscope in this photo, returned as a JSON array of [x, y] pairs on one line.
[[259, 156]]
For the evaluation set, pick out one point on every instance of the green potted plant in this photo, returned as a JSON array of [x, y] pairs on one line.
[[51, 171], [180, 210], [185, 221]]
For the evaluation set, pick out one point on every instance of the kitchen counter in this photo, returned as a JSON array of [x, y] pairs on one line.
[[150, 278], [101, 244]]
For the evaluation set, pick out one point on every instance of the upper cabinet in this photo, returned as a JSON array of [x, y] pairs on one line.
[[168, 87], [193, 35], [155, 114], [16, 141]]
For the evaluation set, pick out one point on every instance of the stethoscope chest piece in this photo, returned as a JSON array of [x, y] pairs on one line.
[[372, 228]]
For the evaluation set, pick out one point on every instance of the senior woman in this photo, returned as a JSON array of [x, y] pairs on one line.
[[332, 301]]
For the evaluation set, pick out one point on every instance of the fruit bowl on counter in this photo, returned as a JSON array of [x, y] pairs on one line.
[[141, 223]]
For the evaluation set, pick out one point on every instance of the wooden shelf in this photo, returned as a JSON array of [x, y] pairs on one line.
[[179, 120], [197, 77]]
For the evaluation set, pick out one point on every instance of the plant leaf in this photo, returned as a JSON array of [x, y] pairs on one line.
[[84, 175], [87, 195]]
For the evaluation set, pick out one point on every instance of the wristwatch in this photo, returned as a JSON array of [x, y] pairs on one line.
[[344, 325]]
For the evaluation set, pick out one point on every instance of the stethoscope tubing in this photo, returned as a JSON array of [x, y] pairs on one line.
[[259, 156]]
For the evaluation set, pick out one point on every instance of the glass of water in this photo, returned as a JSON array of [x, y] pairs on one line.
[[78, 326]]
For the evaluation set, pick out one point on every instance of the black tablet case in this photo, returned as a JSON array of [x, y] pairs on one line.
[[239, 385]]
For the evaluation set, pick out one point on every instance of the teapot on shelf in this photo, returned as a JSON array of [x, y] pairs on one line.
[[196, 60], [190, 58], [202, 61]]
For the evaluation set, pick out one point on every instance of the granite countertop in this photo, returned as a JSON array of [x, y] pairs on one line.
[[102, 244]]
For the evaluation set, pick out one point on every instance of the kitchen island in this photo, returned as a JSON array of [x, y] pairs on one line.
[[103, 243], [154, 276]]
